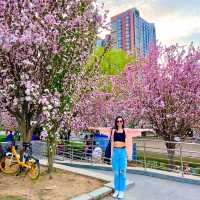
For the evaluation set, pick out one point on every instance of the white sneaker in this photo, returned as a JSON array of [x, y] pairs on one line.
[[115, 195], [121, 195]]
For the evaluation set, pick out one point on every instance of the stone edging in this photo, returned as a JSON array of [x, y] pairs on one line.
[[96, 194], [135, 170]]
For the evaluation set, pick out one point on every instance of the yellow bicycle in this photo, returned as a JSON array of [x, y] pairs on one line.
[[12, 163]]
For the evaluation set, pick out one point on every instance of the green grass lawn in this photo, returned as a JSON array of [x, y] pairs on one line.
[[160, 161], [163, 158]]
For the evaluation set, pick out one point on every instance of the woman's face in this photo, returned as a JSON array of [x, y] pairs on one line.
[[119, 122]]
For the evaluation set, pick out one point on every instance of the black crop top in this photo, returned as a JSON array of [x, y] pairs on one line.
[[119, 137]]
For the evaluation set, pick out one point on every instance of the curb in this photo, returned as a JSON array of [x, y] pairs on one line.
[[140, 171], [165, 176], [96, 194], [100, 192], [85, 165]]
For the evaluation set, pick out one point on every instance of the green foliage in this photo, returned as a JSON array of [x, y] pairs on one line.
[[1, 127], [112, 63], [2, 138], [76, 147], [114, 60]]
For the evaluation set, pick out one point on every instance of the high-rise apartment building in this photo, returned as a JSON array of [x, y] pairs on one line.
[[130, 31]]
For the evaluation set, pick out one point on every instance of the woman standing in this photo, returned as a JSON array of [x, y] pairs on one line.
[[119, 157], [121, 142]]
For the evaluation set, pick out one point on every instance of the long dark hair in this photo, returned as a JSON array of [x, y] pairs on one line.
[[119, 117]]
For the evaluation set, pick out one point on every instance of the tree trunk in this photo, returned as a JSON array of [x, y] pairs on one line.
[[26, 134], [27, 137], [51, 153], [171, 153], [68, 134]]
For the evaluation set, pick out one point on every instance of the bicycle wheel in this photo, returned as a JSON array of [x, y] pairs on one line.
[[34, 170], [8, 165]]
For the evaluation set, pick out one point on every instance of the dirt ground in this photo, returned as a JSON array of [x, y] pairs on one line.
[[63, 186]]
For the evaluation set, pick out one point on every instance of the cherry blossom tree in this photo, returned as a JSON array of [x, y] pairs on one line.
[[165, 91], [44, 47]]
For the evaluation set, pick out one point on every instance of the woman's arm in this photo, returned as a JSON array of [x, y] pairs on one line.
[[101, 129], [133, 132], [126, 142]]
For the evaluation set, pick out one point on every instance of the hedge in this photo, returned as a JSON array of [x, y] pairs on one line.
[[2, 138]]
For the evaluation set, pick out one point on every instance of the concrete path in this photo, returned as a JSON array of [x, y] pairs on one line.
[[149, 188]]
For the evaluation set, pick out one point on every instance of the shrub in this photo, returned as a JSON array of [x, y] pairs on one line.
[[2, 138]]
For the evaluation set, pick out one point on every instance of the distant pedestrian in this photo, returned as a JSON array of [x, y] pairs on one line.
[[35, 136], [97, 154], [186, 169], [91, 144], [10, 136]]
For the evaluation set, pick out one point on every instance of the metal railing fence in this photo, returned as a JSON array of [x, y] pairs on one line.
[[92, 151], [148, 154], [183, 159]]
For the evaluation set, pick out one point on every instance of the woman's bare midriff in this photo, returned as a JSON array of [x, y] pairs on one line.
[[119, 144]]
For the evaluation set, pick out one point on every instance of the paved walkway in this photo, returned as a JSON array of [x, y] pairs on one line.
[[150, 188]]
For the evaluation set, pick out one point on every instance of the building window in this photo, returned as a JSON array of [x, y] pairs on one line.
[[119, 45], [113, 25], [119, 33]]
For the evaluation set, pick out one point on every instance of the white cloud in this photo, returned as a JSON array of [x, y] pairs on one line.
[[174, 20], [171, 28]]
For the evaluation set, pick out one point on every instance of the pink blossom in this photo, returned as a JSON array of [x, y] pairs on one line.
[[43, 135], [50, 19], [44, 49]]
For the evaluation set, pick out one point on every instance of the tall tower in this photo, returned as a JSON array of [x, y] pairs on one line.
[[130, 31]]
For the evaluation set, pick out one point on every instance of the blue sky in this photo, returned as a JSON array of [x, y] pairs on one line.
[[176, 21]]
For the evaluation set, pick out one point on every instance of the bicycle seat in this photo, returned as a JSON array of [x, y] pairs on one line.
[[8, 154]]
